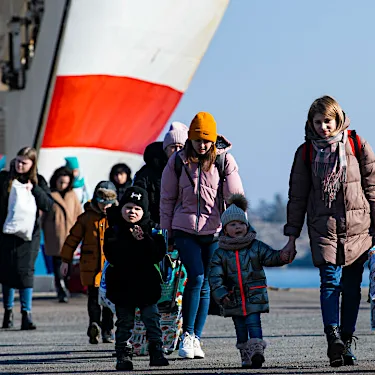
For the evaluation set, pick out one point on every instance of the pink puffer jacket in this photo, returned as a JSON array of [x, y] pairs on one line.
[[197, 210]]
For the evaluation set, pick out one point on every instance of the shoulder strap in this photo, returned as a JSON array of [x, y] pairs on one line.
[[220, 165], [178, 165], [307, 153], [355, 143]]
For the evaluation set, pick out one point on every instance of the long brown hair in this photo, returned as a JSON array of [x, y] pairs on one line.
[[31, 175], [206, 160]]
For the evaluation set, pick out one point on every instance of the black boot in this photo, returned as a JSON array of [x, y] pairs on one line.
[[27, 323], [156, 353], [124, 358], [8, 318], [335, 346], [349, 358]]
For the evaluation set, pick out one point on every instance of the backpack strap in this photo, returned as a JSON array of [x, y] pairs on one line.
[[307, 153], [220, 165], [355, 143], [178, 165]]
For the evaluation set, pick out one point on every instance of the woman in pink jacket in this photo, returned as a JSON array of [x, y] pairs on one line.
[[194, 185]]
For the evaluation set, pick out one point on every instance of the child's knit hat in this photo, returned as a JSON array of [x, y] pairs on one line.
[[178, 133], [105, 192], [203, 126], [236, 210], [136, 195], [72, 162]]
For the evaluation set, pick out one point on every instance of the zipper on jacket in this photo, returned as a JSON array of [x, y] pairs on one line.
[[243, 299], [198, 196]]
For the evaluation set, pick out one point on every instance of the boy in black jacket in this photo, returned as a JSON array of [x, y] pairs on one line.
[[132, 279]]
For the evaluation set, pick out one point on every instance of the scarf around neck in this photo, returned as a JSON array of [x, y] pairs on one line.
[[330, 163], [238, 243]]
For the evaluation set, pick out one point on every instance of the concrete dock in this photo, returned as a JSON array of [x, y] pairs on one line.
[[293, 330]]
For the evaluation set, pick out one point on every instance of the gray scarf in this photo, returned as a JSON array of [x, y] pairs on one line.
[[237, 243], [329, 163]]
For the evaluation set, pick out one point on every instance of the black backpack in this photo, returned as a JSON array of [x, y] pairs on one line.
[[220, 165]]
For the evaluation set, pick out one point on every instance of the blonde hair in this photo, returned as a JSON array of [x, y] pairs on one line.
[[329, 107], [207, 159]]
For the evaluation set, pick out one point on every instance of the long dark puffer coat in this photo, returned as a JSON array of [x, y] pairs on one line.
[[132, 279], [149, 176], [17, 257]]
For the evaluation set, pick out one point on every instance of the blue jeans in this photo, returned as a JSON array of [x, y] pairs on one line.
[[247, 327], [196, 253], [336, 280], [26, 297]]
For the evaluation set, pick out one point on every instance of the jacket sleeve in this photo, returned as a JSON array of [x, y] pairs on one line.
[[232, 183], [72, 241], [156, 247], [299, 190], [109, 247], [42, 195], [367, 164], [216, 277], [268, 256], [169, 194]]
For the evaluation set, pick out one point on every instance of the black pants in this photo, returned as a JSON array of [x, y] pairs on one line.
[[61, 283], [101, 315], [125, 322]]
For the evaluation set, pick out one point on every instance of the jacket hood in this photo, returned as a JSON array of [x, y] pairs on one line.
[[154, 155], [222, 144]]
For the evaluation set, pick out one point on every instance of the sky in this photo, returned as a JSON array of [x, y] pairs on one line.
[[268, 61]]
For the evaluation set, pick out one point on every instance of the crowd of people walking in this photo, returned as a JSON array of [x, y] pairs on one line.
[[190, 188]]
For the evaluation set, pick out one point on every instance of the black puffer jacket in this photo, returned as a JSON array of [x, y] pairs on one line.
[[149, 176], [132, 279]]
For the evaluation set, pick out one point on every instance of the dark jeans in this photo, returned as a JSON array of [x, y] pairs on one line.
[[61, 283], [96, 311], [196, 253], [247, 327], [336, 280], [125, 322]]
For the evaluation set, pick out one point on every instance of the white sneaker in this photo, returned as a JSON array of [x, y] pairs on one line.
[[186, 349], [198, 352]]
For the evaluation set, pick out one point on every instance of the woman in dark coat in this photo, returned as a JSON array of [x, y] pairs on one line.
[[17, 257]]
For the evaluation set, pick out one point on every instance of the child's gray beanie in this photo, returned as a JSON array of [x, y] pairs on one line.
[[235, 213]]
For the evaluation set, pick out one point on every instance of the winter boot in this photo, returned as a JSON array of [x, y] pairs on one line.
[[245, 354], [27, 322], [335, 346], [8, 318], [256, 349], [349, 358], [124, 358], [156, 352], [93, 332]]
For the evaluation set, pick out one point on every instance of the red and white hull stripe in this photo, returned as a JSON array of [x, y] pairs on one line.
[[122, 68]]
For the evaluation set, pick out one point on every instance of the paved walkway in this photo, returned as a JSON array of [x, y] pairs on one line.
[[293, 330]]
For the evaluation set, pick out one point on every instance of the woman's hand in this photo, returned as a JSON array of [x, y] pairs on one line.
[[64, 269], [137, 232]]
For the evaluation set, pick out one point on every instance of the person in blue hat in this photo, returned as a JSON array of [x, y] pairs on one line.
[[79, 184]]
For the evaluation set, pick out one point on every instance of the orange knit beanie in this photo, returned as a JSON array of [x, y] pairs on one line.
[[203, 126]]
